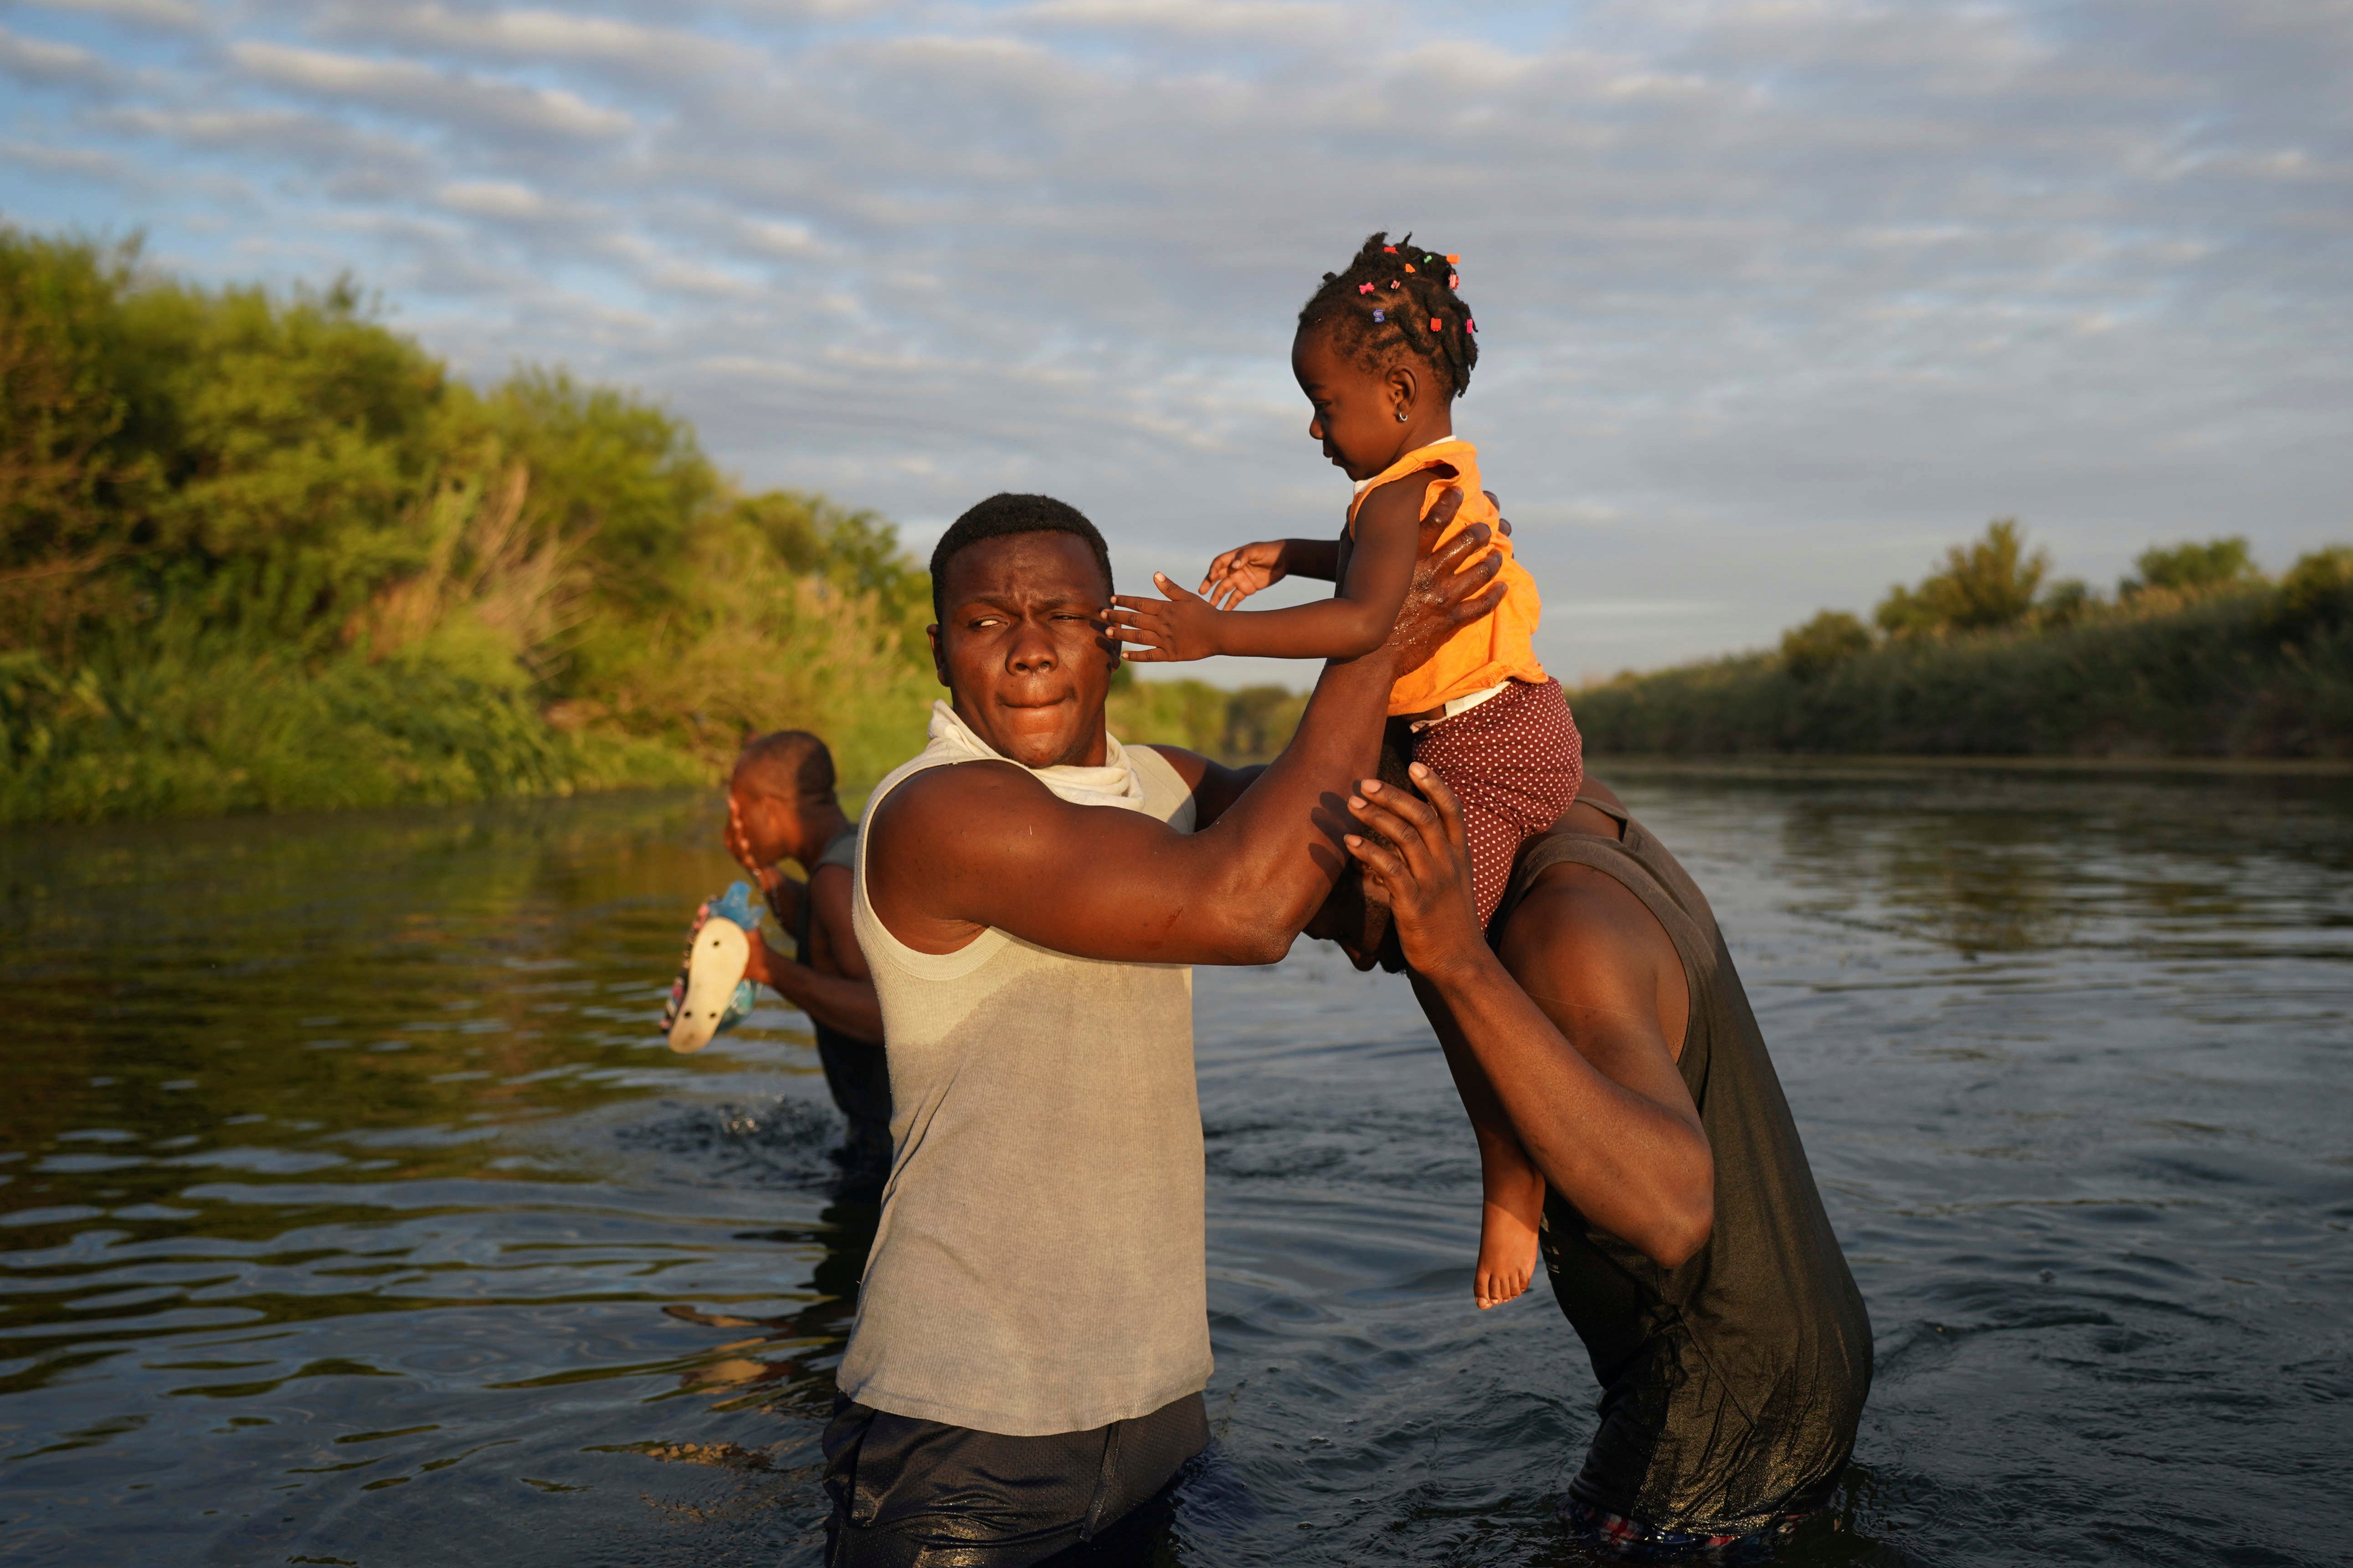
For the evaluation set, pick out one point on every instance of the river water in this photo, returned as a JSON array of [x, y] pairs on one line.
[[351, 1212]]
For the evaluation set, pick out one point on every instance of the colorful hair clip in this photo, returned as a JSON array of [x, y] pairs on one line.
[[1436, 325], [1396, 283], [1388, 250], [1364, 287], [1454, 280], [1381, 315], [1409, 267], [1472, 325], [1452, 260]]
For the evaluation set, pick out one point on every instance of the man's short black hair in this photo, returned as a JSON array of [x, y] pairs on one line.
[[790, 765], [1003, 515]]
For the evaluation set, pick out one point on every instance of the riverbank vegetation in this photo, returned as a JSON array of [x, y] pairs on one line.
[[2198, 654], [261, 552]]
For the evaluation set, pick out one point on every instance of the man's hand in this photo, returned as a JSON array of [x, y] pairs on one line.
[[1443, 598], [1244, 570], [1417, 861], [1181, 627], [762, 963], [781, 892], [739, 843]]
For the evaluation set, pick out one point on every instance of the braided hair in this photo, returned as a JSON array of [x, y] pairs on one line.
[[1397, 299]]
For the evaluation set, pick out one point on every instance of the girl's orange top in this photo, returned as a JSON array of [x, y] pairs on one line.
[[1487, 652]]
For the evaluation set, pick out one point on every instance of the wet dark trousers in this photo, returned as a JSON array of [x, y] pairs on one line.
[[858, 1075], [910, 1493]]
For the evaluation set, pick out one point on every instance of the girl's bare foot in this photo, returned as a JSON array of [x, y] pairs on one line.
[[1507, 1256]]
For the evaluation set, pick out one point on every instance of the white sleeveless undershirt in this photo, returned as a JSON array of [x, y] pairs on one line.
[[1038, 1267]]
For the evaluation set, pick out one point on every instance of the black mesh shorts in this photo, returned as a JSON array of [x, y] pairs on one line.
[[909, 1493]]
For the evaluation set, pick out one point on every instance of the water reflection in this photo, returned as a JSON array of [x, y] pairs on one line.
[[789, 1364], [349, 1207], [1986, 860]]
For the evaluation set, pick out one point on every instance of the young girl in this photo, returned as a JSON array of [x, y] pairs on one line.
[[1382, 352]]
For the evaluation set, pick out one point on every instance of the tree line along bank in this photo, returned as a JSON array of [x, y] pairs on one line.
[[2198, 654], [261, 552]]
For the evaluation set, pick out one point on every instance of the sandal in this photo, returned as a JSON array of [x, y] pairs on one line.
[[711, 995]]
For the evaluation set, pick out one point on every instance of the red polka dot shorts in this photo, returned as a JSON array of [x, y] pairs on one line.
[[1514, 761]]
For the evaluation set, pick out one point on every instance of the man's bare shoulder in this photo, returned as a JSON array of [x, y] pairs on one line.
[[953, 801], [1583, 937]]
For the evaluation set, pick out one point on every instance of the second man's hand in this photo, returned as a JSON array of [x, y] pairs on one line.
[[1419, 856]]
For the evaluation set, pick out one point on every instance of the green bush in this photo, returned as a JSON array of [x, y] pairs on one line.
[[1822, 644], [2317, 594], [1983, 586], [2065, 603], [2188, 570], [2255, 671], [262, 554]]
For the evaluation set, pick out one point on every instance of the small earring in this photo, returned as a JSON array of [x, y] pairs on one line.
[[1400, 415]]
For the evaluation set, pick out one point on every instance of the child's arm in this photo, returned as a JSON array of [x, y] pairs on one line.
[[1353, 622]]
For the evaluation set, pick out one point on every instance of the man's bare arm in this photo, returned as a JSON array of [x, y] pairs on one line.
[[845, 1001], [834, 1000], [1578, 1058], [1215, 786], [955, 850]]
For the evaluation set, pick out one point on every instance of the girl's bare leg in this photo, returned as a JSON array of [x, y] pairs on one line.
[[1512, 1189], [1513, 1207]]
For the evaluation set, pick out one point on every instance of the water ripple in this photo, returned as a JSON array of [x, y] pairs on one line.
[[367, 1215]]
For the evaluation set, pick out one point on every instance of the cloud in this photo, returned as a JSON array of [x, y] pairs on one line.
[[504, 199], [530, 36], [1778, 297], [409, 88], [269, 134], [1221, 19], [78, 162], [46, 64], [178, 16]]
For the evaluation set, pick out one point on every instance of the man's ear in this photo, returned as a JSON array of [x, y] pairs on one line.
[[939, 654], [1356, 922]]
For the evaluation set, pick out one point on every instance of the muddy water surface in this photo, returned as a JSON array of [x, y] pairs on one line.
[[350, 1211]]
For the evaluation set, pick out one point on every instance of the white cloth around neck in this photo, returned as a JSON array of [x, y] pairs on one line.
[[1115, 783]]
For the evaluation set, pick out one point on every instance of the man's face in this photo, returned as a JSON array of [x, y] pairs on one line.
[[1024, 651]]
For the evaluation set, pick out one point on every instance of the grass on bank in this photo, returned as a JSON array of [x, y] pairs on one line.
[[2198, 655], [261, 553]]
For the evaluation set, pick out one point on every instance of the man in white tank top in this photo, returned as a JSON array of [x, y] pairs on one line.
[[1032, 1333]]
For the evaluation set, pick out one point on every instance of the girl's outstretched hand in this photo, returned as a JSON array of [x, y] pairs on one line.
[[1180, 628], [1243, 571], [1415, 853]]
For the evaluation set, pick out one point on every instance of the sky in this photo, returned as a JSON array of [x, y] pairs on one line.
[[1777, 299]]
